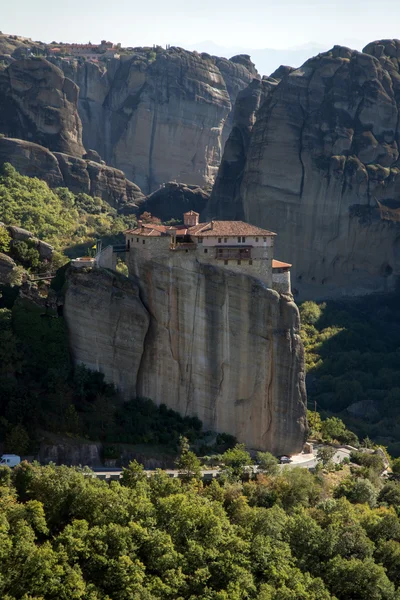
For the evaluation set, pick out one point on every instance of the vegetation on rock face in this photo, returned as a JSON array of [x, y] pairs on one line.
[[40, 391], [65, 534], [59, 217], [353, 367]]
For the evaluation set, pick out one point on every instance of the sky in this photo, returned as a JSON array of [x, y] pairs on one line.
[[279, 24]]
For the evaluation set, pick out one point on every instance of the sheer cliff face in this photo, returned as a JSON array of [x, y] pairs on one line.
[[39, 103], [160, 116], [200, 339], [323, 149], [225, 201]]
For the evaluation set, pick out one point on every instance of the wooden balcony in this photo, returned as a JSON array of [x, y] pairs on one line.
[[233, 252]]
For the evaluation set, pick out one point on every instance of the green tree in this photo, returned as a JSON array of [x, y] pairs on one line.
[[333, 429], [17, 440], [187, 463], [310, 312], [396, 466], [267, 463], [5, 240], [133, 474], [359, 579], [235, 460], [325, 455]]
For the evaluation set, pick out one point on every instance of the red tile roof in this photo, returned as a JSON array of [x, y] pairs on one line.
[[278, 264], [211, 229], [150, 229], [191, 212], [227, 228]]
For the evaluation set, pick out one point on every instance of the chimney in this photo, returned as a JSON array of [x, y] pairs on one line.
[[140, 223]]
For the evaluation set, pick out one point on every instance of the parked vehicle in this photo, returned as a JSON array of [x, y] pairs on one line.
[[284, 460], [10, 460]]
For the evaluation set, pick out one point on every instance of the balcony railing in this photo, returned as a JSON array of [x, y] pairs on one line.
[[233, 253]]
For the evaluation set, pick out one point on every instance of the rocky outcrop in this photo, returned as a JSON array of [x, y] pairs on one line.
[[31, 159], [39, 103], [7, 266], [70, 452], [172, 200], [62, 170], [225, 201], [203, 340], [18, 234], [324, 149], [98, 179], [159, 114]]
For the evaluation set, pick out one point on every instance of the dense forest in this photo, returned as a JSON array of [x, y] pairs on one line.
[[286, 535], [353, 364]]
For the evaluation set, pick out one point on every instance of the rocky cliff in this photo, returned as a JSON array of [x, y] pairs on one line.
[[157, 114], [172, 200], [225, 201], [39, 104], [323, 151], [202, 340], [78, 174]]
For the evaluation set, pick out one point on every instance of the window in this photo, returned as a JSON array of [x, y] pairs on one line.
[[220, 250], [225, 240], [250, 262], [256, 239], [219, 240], [265, 239], [239, 262], [243, 239], [137, 239], [239, 240], [205, 251], [225, 262], [143, 241], [200, 240]]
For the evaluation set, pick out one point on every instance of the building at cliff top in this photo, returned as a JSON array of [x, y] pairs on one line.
[[236, 245], [204, 324]]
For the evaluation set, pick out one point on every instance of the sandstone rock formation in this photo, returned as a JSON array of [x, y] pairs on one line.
[[62, 170], [7, 265], [39, 103], [225, 200], [107, 325], [203, 340], [18, 234], [324, 149], [159, 114]]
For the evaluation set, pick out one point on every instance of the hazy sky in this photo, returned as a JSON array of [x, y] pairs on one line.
[[255, 24]]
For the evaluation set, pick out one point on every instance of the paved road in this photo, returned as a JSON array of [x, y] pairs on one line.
[[306, 461]]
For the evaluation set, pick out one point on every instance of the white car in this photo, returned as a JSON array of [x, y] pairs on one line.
[[10, 460]]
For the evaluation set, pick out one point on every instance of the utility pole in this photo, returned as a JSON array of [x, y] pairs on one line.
[[315, 414]]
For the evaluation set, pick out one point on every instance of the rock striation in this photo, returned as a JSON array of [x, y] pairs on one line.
[[39, 103], [225, 201], [201, 339], [78, 174], [324, 150], [158, 114]]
